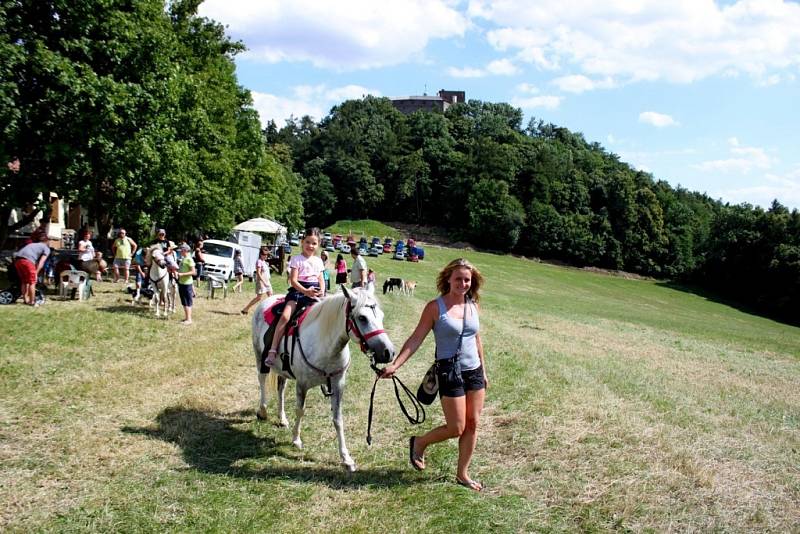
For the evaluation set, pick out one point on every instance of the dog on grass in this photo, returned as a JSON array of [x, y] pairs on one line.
[[408, 287], [391, 283]]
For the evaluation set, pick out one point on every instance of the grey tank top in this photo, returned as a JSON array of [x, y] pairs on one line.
[[446, 331]]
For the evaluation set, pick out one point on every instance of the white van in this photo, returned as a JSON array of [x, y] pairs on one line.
[[219, 257]]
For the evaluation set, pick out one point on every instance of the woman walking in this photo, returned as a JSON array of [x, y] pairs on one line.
[[460, 370]]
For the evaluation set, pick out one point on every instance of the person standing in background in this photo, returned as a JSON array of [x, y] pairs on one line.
[[123, 249], [326, 274], [341, 270], [186, 272], [358, 272]]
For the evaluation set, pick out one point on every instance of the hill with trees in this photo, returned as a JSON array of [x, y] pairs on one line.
[[539, 190]]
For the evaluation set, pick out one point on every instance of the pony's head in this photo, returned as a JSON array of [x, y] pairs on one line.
[[155, 254], [365, 324]]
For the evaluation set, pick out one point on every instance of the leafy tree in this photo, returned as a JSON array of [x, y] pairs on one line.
[[495, 217], [134, 111]]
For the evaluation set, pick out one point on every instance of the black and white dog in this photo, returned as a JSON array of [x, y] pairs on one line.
[[392, 283]]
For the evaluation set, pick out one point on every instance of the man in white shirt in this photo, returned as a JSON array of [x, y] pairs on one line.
[[358, 272]]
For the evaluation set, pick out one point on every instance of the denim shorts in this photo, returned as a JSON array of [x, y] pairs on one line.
[[298, 297], [455, 382]]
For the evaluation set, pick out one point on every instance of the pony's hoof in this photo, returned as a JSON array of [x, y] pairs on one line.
[[298, 443], [350, 468], [284, 423], [261, 414]]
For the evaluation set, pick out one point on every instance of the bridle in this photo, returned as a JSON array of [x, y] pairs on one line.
[[351, 326], [161, 264]]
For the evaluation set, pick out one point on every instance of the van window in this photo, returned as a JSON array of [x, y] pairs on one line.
[[215, 249]]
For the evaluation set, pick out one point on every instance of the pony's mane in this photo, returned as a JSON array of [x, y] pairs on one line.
[[326, 312]]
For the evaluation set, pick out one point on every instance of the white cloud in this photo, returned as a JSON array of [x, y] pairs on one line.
[[659, 120], [680, 41], [498, 67], [466, 72], [345, 35], [785, 188], [312, 100], [744, 159], [578, 83], [527, 88], [546, 102], [502, 67]]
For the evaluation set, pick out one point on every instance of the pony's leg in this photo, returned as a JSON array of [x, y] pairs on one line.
[[337, 389], [284, 422], [298, 413], [262, 392]]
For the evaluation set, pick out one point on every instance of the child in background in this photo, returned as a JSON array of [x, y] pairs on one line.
[[238, 270], [263, 283], [371, 280], [186, 271], [341, 270], [102, 266], [305, 286]]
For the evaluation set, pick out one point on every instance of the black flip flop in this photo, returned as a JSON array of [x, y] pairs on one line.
[[474, 485], [414, 459]]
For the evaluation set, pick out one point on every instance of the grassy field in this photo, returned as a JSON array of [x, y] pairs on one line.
[[614, 404]]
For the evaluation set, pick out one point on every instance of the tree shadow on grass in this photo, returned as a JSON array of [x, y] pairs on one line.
[[212, 443], [744, 307]]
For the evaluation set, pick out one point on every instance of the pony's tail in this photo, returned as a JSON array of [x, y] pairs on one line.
[[272, 384]]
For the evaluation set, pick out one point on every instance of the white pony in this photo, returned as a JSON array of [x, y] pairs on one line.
[[164, 287], [320, 355]]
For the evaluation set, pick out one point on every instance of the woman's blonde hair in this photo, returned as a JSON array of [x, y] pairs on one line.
[[443, 280]]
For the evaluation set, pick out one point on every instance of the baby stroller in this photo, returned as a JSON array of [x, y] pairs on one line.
[[13, 292]]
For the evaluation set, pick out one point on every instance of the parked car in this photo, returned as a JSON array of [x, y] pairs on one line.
[[345, 248], [376, 241], [362, 249], [326, 235], [329, 248], [287, 249], [387, 247], [375, 251], [219, 257], [336, 240], [400, 255]]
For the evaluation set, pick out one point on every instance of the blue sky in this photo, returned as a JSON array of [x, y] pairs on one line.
[[699, 93]]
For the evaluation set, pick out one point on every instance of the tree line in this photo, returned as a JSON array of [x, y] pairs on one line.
[[538, 190]]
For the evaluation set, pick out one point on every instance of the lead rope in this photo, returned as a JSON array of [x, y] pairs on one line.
[[418, 407]]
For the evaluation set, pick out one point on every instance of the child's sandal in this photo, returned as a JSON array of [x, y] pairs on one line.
[[272, 355]]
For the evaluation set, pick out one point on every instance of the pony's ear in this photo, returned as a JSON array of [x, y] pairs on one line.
[[345, 291]]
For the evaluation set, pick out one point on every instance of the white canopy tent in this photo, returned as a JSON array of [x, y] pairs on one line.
[[261, 225]]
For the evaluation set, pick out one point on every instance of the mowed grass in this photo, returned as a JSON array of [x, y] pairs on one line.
[[614, 404]]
